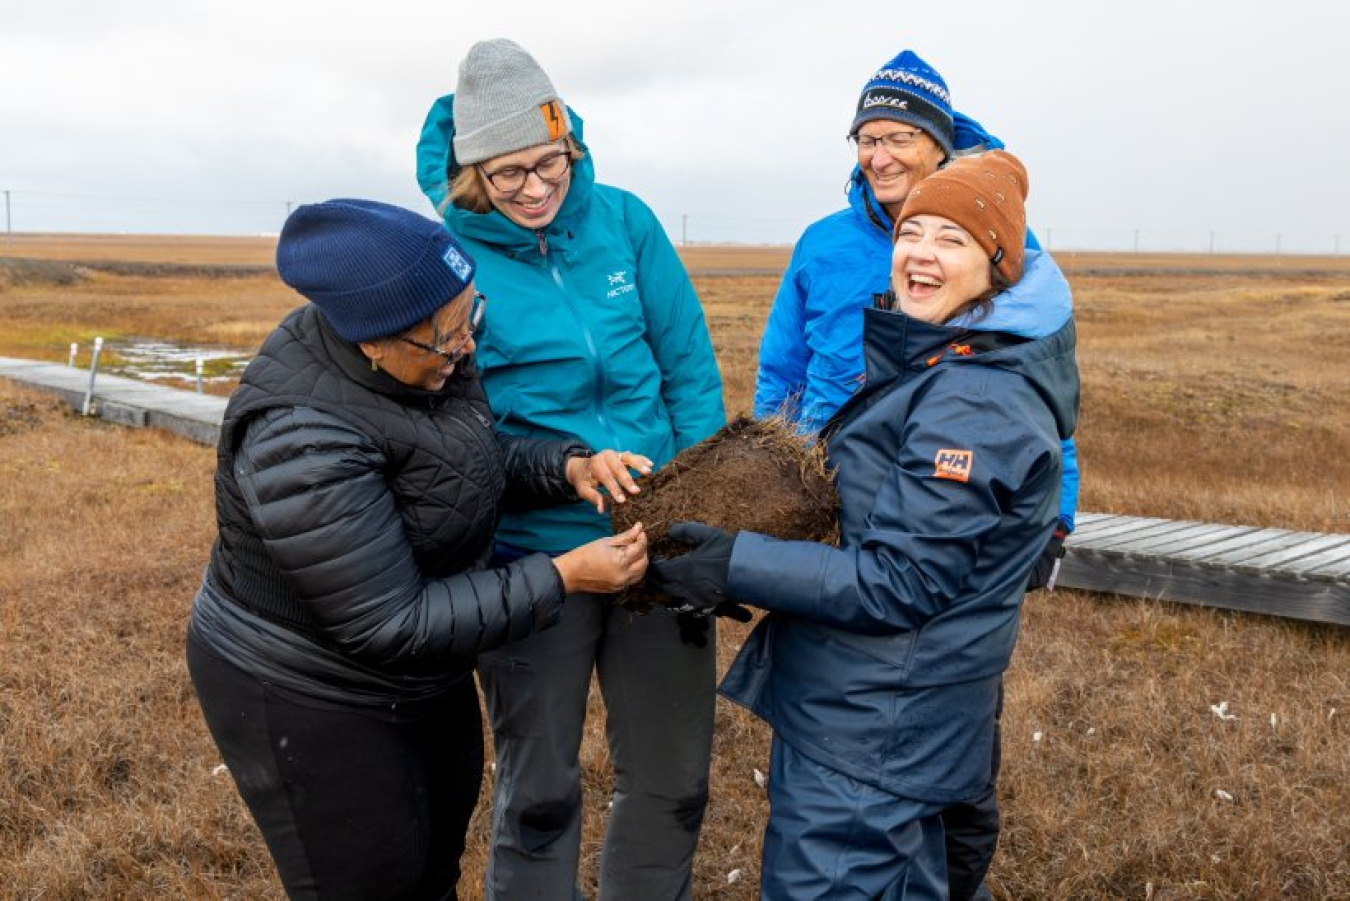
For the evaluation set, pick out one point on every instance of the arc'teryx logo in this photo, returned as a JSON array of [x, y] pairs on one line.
[[953, 464], [618, 283]]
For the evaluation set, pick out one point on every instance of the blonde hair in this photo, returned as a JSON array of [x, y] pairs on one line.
[[469, 188]]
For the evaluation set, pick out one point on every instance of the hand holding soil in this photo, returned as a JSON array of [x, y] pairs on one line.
[[753, 474], [610, 470], [605, 565]]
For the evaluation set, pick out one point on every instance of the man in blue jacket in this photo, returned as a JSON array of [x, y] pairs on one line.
[[811, 354]]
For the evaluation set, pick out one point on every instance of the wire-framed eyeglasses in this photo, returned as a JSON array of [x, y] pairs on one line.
[[455, 352], [550, 169], [894, 142]]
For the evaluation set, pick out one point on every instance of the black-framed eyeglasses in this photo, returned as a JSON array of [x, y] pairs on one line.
[[894, 142], [550, 169], [455, 352]]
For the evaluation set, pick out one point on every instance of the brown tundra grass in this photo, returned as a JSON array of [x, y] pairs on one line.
[[1216, 394]]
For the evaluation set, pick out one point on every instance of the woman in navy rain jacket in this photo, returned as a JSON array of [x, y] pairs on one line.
[[879, 664]]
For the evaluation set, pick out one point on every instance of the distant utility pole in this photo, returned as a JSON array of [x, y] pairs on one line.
[[1211, 243], [1277, 243], [684, 230], [1136, 240], [9, 231], [288, 209]]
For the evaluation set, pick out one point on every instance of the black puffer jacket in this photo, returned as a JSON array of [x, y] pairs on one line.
[[355, 517]]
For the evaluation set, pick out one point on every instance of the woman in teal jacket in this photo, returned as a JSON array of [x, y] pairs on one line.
[[594, 332]]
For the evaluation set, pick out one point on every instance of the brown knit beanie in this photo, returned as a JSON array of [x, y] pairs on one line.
[[985, 195]]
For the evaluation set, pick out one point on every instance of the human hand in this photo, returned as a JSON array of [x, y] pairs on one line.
[[605, 565], [697, 580], [1046, 568], [609, 470]]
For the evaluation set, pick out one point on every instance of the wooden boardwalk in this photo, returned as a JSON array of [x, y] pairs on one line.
[[127, 401], [1302, 575]]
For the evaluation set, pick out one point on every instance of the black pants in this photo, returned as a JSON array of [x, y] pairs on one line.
[[354, 802], [972, 831]]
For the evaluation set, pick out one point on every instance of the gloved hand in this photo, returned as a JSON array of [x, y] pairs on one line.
[[694, 623], [698, 580], [1046, 569]]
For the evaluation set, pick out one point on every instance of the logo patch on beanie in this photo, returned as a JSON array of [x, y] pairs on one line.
[[891, 99], [953, 464], [457, 263], [553, 118]]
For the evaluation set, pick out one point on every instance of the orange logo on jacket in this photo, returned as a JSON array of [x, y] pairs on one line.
[[953, 464], [553, 118]]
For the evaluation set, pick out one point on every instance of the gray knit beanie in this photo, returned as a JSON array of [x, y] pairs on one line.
[[504, 103]]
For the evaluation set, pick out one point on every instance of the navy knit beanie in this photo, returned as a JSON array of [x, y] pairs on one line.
[[373, 270], [909, 90]]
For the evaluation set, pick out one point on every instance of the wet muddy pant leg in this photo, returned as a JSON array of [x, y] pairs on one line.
[[321, 780], [972, 831], [536, 691], [659, 702], [832, 837]]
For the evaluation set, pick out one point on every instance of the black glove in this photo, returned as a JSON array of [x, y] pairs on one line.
[[698, 580], [1046, 569], [694, 624]]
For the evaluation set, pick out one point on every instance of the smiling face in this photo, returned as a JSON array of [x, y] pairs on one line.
[[537, 200], [410, 358], [937, 269], [892, 174]]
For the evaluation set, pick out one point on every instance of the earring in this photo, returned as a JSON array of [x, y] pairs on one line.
[[374, 365]]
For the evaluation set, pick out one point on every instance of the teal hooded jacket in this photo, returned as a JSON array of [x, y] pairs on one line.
[[592, 329]]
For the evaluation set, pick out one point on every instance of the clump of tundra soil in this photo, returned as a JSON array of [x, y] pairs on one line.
[[753, 474]]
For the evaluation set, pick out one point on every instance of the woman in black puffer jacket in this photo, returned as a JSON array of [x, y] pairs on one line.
[[358, 486]]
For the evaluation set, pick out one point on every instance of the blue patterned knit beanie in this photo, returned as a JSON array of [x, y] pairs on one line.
[[373, 270], [909, 90]]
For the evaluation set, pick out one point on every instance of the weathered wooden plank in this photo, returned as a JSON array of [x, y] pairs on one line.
[[1249, 553], [1281, 559], [1166, 533], [1194, 535], [1086, 519], [1245, 537], [1156, 577], [1339, 570], [1318, 565], [1121, 525]]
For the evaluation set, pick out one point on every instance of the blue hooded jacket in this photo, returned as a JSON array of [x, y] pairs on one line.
[[592, 329], [810, 357], [882, 658]]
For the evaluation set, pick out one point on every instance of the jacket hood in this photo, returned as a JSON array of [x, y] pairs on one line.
[[436, 166], [899, 346], [1036, 307]]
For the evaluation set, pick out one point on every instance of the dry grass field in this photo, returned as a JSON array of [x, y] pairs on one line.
[[1213, 388]]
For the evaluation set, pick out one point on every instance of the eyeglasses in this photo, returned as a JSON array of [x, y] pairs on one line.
[[550, 170], [454, 353], [894, 142]]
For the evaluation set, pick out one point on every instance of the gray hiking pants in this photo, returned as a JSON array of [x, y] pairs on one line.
[[659, 699]]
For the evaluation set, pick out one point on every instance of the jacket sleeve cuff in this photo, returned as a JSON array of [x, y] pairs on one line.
[[761, 566]]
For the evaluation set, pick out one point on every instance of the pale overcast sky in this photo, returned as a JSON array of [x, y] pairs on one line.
[[1171, 124]]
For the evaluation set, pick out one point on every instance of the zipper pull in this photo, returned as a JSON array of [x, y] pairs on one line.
[[543, 242]]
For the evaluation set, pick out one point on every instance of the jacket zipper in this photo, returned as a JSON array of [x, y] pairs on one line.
[[598, 398]]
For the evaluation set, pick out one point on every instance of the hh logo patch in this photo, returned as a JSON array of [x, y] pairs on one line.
[[457, 263], [953, 464], [553, 118]]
